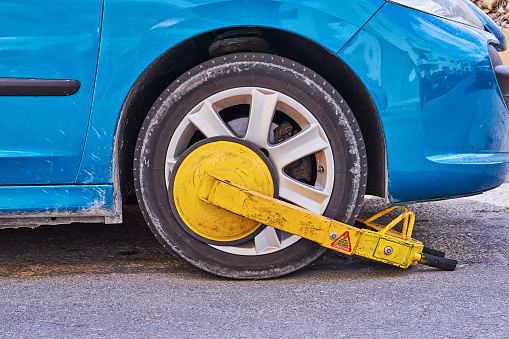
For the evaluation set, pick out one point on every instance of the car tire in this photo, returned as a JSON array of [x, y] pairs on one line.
[[307, 108]]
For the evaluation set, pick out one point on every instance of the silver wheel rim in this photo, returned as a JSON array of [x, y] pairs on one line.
[[259, 129]]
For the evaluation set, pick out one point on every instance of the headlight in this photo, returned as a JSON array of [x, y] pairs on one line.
[[455, 10]]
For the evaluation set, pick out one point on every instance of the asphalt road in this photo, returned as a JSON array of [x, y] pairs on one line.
[[116, 281]]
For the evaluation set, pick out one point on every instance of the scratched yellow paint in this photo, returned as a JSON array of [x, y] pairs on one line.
[[223, 191], [315, 227], [232, 161]]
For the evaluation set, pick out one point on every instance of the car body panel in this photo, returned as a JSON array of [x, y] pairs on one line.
[[85, 199], [446, 125], [135, 33], [42, 137]]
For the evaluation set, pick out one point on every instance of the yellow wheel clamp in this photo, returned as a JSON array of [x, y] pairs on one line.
[[228, 181]]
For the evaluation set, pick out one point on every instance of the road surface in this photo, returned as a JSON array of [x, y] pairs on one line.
[[116, 281]]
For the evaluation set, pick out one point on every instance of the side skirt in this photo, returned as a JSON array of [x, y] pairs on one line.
[[32, 206]]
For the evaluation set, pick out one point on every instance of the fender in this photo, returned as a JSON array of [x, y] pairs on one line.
[[447, 120]]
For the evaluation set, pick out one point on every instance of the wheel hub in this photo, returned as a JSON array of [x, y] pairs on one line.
[[232, 159]]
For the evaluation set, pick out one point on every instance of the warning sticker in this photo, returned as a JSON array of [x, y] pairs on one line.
[[343, 242]]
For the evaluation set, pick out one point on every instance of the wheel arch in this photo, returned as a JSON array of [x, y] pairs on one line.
[[193, 51]]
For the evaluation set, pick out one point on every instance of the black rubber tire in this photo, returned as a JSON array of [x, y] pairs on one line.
[[236, 70]]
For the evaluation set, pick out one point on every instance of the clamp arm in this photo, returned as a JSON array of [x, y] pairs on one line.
[[379, 243]]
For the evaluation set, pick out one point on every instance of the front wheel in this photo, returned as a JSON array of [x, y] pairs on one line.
[[297, 122]]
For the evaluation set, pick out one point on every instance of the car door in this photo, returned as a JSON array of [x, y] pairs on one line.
[[48, 59]]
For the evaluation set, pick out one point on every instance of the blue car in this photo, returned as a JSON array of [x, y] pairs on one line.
[[100, 99]]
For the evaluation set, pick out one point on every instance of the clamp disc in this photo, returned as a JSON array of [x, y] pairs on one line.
[[232, 159]]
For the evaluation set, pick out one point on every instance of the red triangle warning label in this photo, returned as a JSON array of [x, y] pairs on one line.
[[343, 242]]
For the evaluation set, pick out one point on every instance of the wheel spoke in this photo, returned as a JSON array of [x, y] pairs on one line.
[[303, 195], [306, 142], [208, 121], [260, 117], [170, 163], [267, 240]]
